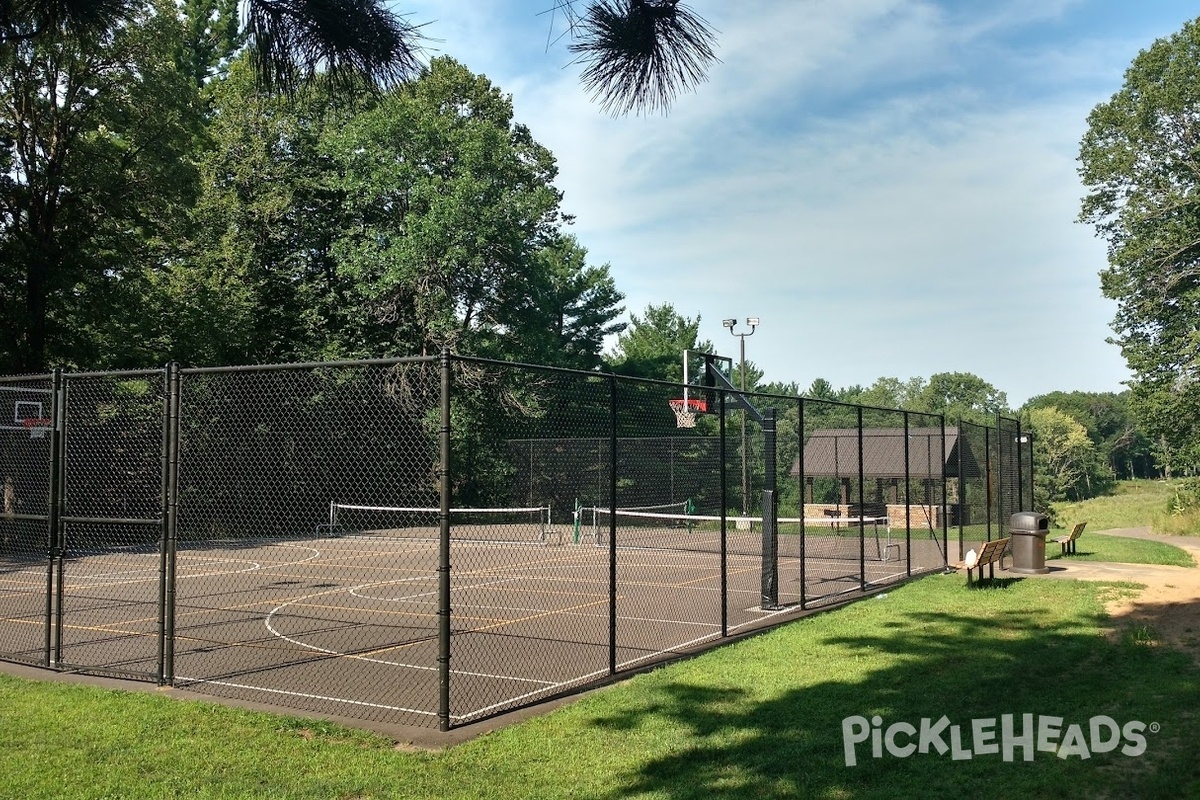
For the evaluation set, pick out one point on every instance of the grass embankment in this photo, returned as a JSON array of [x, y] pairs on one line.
[[1132, 504], [760, 718]]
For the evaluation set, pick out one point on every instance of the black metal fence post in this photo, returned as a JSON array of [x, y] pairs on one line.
[[962, 491], [801, 482], [164, 502], [724, 472], [907, 501], [1020, 472], [1001, 522], [58, 511], [943, 512], [862, 493], [54, 512], [170, 523], [1032, 474], [612, 525], [770, 528], [987, 473], [444, 547]]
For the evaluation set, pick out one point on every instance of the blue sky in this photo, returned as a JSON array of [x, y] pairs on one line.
[[890, 185]]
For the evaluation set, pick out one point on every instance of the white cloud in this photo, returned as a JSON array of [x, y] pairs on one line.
[[889, 184]]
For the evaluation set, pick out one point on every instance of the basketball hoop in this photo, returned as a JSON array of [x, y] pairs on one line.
[[686, 410], [37, 426]]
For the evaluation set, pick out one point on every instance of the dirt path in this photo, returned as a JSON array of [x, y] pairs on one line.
[[1167, 611]]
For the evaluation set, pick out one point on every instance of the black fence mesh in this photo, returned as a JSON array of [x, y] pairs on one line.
[[872, 483], [1009, 468], [112, 524], [26, 406], [435, 541], [306, 537]]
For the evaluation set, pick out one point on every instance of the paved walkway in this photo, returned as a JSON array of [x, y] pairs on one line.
[[1167, 611], [1149, 574]]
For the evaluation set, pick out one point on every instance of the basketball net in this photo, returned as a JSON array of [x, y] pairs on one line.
[[36, 426], [684, 418]]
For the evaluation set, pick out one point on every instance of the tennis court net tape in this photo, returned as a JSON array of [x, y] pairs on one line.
[[507, 525]]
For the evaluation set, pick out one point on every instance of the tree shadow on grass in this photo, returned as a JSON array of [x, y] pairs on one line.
[[981, 663]]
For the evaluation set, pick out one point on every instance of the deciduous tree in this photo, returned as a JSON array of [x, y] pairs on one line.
[[1066, 465], [425, 217], [962, 395], [93, 185], [1110, 424], [1139, 162]]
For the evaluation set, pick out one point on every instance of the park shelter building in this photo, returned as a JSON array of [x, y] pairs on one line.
[[898, 481]]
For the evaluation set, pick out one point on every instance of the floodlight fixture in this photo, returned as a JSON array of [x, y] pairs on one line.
[[731, 324]]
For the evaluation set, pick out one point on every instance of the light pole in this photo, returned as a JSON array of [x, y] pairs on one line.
[[731, 324]]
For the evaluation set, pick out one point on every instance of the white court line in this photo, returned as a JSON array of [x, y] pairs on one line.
[[255, 566], [369, 659], [154, 571], [548, 689], [309, 696], [405, 598], [353, 590], [581, 679]]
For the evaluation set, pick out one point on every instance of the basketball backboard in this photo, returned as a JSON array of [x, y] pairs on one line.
[[24, 408], [697, 382]]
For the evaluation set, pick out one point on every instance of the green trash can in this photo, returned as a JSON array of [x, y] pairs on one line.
[[1028, 531]]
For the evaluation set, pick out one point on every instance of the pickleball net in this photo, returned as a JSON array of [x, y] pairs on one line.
[[836, 538], [525, 525]]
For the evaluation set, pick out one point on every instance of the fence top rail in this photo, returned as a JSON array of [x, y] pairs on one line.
[[114, 373], [25, 378], [997, 419], [303, 365], [749, 393]]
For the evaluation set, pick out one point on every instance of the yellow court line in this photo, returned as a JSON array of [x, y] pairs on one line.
[[493, 626], [417, 614]]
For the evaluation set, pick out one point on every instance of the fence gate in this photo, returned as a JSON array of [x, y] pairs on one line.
[[109, 560], [26, 406]]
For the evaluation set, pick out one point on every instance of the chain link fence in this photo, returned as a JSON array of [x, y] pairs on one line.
[[433, 541], [996, 479]]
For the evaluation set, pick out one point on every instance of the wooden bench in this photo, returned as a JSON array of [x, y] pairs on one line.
[[989, 555], [1067, 541]]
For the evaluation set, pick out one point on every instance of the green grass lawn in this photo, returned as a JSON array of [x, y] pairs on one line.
[[762, 718], [1102, 547]]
